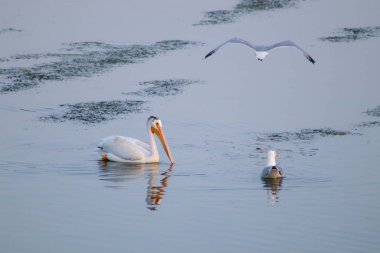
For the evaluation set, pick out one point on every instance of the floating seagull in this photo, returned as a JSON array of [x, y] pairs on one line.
[[262, 51], [272, 170], [130, 150]]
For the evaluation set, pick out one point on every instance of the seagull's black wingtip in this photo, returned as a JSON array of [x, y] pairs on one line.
[[311, 59], [209, 54]]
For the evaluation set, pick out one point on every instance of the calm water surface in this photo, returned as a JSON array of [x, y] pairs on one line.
[[220, 115]]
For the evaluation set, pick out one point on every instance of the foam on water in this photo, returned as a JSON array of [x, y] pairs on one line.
[[95, 112], [8, 30], [244, 7], [163, 88], [353, 33], [80, 59], [302, 135], [374, 112]]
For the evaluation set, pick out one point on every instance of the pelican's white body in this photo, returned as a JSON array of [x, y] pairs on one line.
[[129, 150]]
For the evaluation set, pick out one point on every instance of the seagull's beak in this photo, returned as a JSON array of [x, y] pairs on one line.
[[160, 133], [276, 154]]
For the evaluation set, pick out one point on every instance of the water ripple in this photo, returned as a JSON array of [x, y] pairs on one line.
[[120, 176]]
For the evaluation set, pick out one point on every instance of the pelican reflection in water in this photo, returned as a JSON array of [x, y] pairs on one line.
[[156, 188], [120, 174]]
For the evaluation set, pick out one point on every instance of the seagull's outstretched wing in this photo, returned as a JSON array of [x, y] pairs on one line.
[[289, 43], [233, 40]]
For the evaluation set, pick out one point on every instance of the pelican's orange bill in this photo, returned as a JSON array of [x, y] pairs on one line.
[[160, 133]]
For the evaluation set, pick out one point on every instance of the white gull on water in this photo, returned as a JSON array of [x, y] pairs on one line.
[[272, 170], [262, 51]]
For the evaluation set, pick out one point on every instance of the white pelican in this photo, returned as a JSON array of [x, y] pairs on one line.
[[272, 170], [262, 51], [130, 150]]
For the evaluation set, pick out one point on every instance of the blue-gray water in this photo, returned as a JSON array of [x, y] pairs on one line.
[[77, 71]]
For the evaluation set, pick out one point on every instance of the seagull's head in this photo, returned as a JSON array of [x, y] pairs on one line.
[[275, 171], [272, 158]]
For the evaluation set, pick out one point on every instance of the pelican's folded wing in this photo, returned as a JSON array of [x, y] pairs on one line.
[[141, 144], [122, 147]]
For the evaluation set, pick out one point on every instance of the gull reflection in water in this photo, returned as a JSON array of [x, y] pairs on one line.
[[119, 174], [273, 186]]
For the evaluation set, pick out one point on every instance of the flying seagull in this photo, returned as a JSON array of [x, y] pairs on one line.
[[262, 51]]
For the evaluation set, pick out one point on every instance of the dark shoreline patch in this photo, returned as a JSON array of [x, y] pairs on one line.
[[9, 29], [353, 34], [244, 7], [163, 88], [81, 59], [96, 112], [374, 112], [303, 135], [368, 124]]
